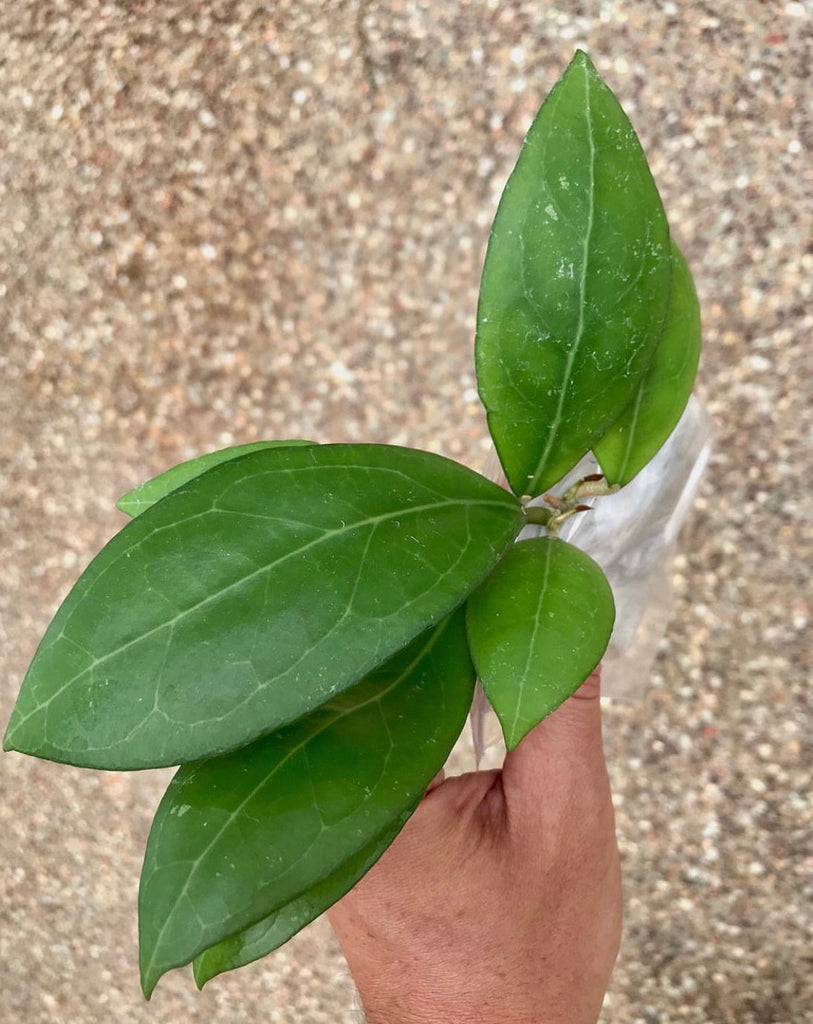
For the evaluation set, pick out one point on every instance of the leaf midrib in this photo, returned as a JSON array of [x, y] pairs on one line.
[[368, 521], [633, 426], [571, 356], [532, 641]]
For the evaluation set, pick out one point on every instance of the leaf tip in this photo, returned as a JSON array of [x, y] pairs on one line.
[[150, 976], [11, 740], [513, 733], [581, 59], [513, 739], [149, 971], [125, 504], [200, 973]]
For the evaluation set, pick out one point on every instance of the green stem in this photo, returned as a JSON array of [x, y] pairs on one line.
[[538, 515], [552, 515], [589, 488]]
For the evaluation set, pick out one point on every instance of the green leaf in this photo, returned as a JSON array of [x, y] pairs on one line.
[[273, 931], [142, 497], [538, 627], [575, 283], [662, 394], [238, 837], [251, 595]]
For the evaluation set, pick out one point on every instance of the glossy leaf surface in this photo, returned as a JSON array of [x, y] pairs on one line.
[[251, 595], [662, 394], [575, 283], [142, 497], [537, 628], [269, 934], [238, 837]]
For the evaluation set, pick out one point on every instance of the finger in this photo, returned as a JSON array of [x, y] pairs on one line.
[[565, 746]]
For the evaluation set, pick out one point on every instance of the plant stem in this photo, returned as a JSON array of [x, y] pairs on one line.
[[538, 515], [556, 509]]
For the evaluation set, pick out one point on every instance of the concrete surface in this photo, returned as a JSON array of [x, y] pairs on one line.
[[223, 221]]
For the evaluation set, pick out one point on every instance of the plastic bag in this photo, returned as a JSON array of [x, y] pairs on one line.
[[633, 536]]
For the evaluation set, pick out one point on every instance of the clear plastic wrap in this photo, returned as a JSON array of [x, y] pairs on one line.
[[633, 536]]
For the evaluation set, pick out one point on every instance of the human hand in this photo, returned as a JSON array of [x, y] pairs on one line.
[[500, 902]]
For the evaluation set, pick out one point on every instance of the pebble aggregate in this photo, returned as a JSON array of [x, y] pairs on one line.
[[227, 221]]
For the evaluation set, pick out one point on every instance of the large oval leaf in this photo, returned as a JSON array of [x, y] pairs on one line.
[[575, 283], [538, 627], [664, 390], [251, 595], [269, 934], [142, 497], [238, 837]]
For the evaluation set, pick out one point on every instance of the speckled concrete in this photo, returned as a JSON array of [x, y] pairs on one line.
[[231, 220]]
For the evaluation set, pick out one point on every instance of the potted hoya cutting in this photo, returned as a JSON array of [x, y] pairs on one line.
[[299, 626]]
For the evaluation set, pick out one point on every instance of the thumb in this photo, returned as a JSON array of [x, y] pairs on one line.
[[563, 750]]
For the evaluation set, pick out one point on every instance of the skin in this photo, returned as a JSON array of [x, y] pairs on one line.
[[500, 902]]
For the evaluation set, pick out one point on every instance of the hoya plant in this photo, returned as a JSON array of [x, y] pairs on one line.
[[299, 626]]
